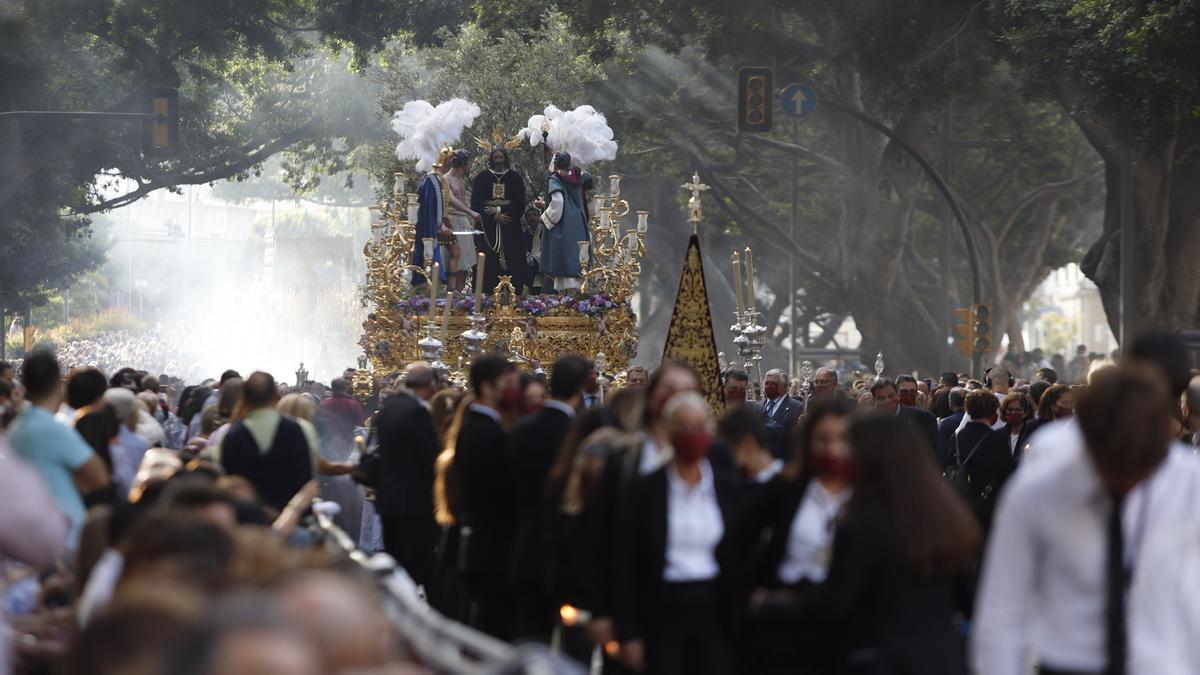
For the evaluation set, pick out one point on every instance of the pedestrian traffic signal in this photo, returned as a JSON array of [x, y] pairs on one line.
[[160, 132], [981, 328], [756, 99]]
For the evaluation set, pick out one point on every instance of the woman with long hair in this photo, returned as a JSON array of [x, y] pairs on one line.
[[904, 543], [780, 543]]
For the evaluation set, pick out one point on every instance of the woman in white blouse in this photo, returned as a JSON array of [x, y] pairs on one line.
[[781, 542]]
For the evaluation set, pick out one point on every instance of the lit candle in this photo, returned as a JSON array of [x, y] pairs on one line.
[[433, 289], [398, 184], [446, 315], [750, 300], [479, 282], [737, 283], [643, 217]]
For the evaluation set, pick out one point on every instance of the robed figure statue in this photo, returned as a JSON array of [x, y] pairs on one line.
[[565, 225], [498, 193], [432, 217]]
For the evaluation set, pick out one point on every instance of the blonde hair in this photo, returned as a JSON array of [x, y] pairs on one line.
[[298, 406], [445, 488]]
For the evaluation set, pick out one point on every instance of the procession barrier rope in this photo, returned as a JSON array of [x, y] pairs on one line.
[[444, 645]]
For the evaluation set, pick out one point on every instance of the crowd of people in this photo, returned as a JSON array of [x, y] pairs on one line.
[[896, 525]]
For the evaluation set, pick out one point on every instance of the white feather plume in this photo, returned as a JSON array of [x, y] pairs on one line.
[[583, 132], [424, 128]]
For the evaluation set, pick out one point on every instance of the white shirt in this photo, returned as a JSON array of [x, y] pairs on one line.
[[486, 410], [694, 527], [560, 406], [653, 457], [769, 472], [810, 539], [1042, 592], [772, 406], [553, 212]]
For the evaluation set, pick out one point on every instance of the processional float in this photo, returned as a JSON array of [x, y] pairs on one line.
[[407, 322]]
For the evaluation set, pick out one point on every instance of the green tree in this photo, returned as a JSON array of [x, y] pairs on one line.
[[1129, 75]]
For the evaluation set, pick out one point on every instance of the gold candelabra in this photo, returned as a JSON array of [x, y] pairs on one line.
[[615, 260]]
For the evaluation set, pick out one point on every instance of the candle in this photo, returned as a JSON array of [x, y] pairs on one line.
[[398, 184], [614, 186], [413, 208], [750, 300], [598, 204], [643, 225], [604, 218], [583, 255], [633, 244], [479, 282], [446, 315], [737, 283], [433, 289]]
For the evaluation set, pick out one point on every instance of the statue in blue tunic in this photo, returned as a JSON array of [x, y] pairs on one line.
[[433, 219], [564, 225]]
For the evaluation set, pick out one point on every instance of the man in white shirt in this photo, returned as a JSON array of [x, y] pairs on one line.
[[1084, 539]]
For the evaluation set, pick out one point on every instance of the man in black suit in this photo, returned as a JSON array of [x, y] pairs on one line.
[[949, 424], [535, 445], [780, 413], [734, 385], [486, 507], [408, 449], [941, 397], [983, 453], [885, 394]]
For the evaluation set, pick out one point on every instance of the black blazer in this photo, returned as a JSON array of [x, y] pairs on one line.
[[755, 543], [1022, 439], [644, 552], [486, 500], [535, 443], [877, 604], [781, 423], [408, 450], [988, 468], [926, 424], [946, 429]]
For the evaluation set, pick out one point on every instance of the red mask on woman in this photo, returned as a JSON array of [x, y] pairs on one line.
[[830, 466], [1014, 416], [691, 446], [511, 398]]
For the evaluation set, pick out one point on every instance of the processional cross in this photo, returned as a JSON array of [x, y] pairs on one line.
[[694, 203]]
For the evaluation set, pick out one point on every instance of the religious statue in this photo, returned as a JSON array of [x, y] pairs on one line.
[[459, 247], [566, 224], [433, 219], [498, 194]]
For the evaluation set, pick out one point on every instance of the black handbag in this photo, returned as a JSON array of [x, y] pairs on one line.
[[366, 472]]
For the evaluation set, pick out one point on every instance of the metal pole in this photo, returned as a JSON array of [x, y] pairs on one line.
[[3, 333], [1128, 259], [946, 269], [795, 322]]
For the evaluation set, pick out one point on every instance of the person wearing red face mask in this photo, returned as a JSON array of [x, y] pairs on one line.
[[671, 609], [779, 412], [781, 542], [890, 396], [1016, 411], [486, 508]]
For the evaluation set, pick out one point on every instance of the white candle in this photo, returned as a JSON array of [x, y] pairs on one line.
[[433, 293], [479, 260], [614, 185], [643, 217], [398, 184], [750, 300], [737, 283], [413, 208], [604, 218], [446, 315], [583, 255]]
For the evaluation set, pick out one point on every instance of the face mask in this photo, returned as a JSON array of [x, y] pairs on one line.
[[692, 446], [771, 390], [908, 398], [510, 398], [832, 466], [1014, 416]]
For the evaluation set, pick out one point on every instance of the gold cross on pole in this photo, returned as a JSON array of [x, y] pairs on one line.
[[696, 187]]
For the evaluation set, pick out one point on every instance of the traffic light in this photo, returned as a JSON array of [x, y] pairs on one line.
[[160, 133], [756, 99], [981, 328], [963, 327]]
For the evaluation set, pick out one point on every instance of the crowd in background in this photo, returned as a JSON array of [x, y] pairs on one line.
[[889, 525]]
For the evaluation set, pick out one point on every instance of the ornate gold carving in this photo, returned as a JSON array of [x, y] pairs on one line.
[[690, 337]]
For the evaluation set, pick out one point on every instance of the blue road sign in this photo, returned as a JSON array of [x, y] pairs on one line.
[[798, 99]]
